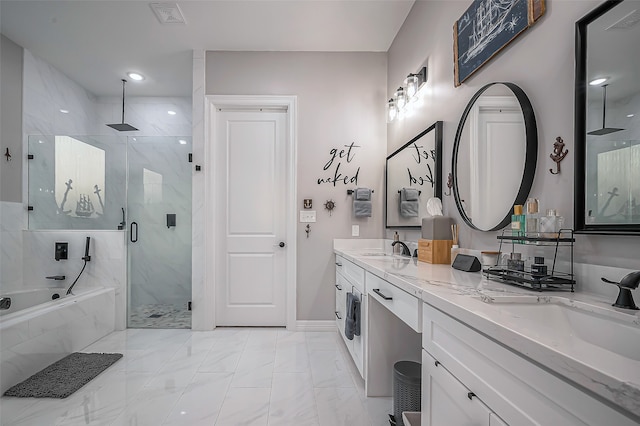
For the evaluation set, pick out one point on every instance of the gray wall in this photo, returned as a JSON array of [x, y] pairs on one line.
[[11, 120], [341, 99], [541, 62]]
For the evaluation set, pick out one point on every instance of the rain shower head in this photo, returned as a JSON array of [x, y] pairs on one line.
[[604, 130], [122, 127]]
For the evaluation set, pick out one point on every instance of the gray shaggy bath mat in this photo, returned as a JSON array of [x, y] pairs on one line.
[[62, 378]]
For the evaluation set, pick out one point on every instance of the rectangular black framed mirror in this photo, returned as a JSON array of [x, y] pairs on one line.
[[607, 120], [413, 174]]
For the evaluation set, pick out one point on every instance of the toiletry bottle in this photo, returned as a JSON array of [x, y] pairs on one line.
[[396, 248], [550, 224], [517, 221], [455, 249], [531, 220], [538, 269]]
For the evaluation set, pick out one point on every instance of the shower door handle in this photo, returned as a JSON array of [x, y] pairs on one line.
[[131, 234]]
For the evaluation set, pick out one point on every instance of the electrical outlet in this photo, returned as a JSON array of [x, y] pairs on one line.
[[355, 230]]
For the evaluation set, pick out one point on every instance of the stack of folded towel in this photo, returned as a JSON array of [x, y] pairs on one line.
[[409, 202], [352, 319], [362, 202]]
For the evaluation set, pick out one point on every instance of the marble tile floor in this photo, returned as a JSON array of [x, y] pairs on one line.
[[226, 377], [159, 316]]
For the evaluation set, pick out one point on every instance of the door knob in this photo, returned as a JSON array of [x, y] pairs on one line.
[[282, 244]]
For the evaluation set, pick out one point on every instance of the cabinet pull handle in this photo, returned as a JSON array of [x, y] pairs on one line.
[[377, 291], [338, 287], [338, 316], [437, 363], [338, 264], [470, 395]]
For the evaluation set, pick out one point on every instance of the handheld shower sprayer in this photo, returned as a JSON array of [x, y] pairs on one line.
[[86, 259]]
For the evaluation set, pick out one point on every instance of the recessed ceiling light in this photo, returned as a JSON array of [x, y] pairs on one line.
[[171, 112], [64, 111], [135, 76], [182, 142], [597, 81], [630, 115]]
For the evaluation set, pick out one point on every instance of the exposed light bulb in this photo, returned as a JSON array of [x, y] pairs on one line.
[[412, 86], [401, 98], [392, 111], [171, 112]]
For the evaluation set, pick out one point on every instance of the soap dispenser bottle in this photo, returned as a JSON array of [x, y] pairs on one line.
[[517, 221]]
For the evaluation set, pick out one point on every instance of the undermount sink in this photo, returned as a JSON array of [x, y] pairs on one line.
[[611, 330]]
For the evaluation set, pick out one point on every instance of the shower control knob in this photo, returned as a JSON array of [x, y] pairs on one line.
[[282, 244]]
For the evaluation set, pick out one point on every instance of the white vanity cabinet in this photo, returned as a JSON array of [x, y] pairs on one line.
[[447, 402], [512, 389], [350, 279]]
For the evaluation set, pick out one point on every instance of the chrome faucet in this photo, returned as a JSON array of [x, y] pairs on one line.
[[626, 284], [405, 249]]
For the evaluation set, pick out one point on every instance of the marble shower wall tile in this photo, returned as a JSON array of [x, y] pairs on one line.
[[148, 114], [12, 222], [46, 91]]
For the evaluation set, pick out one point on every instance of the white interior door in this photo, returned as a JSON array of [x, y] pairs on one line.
[[250, 219]]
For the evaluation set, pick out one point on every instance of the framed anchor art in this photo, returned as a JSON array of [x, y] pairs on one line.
[[485, 28]]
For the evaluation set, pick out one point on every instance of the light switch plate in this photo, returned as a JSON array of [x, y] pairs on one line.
[[355, 230], [307, 216]]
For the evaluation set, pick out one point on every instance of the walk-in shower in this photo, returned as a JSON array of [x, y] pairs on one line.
[[140, 185]]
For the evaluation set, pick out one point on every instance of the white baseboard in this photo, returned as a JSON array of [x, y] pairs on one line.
[[315, 325]]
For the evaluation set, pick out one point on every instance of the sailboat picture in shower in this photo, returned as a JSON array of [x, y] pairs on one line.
[[486, 27]]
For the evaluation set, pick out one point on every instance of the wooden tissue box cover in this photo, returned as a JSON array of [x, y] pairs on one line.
[[435, 251]]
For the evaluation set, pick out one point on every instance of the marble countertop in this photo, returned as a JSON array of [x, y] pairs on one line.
[[507, 314]]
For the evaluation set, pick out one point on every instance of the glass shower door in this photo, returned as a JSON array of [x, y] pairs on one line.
[[159, 232]]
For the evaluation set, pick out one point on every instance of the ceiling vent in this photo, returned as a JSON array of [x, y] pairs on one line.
[[626, 22], [168, 13]]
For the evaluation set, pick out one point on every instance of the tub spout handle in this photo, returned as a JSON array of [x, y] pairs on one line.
[[57, 277]]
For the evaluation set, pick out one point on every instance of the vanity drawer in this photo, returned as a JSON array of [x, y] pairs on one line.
[[351, 272], [402, 304]]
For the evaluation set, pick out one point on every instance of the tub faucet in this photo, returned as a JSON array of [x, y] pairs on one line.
[[405, 249], [626, 284], [5, 303]]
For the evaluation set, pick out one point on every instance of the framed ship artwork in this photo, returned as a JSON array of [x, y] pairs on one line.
[[486, 27]]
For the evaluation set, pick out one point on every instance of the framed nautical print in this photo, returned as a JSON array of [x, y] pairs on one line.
[[486, 27]]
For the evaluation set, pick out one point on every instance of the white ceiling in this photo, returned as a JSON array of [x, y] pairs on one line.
[[97, 42]]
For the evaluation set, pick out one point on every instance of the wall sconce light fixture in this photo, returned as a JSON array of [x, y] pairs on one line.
[[399, 105], [392, 110]]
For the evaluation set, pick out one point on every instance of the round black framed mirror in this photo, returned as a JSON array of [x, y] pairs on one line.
[[495, 154]]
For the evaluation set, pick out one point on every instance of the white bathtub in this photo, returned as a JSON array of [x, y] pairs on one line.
[[35, 337], [23, 299]]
